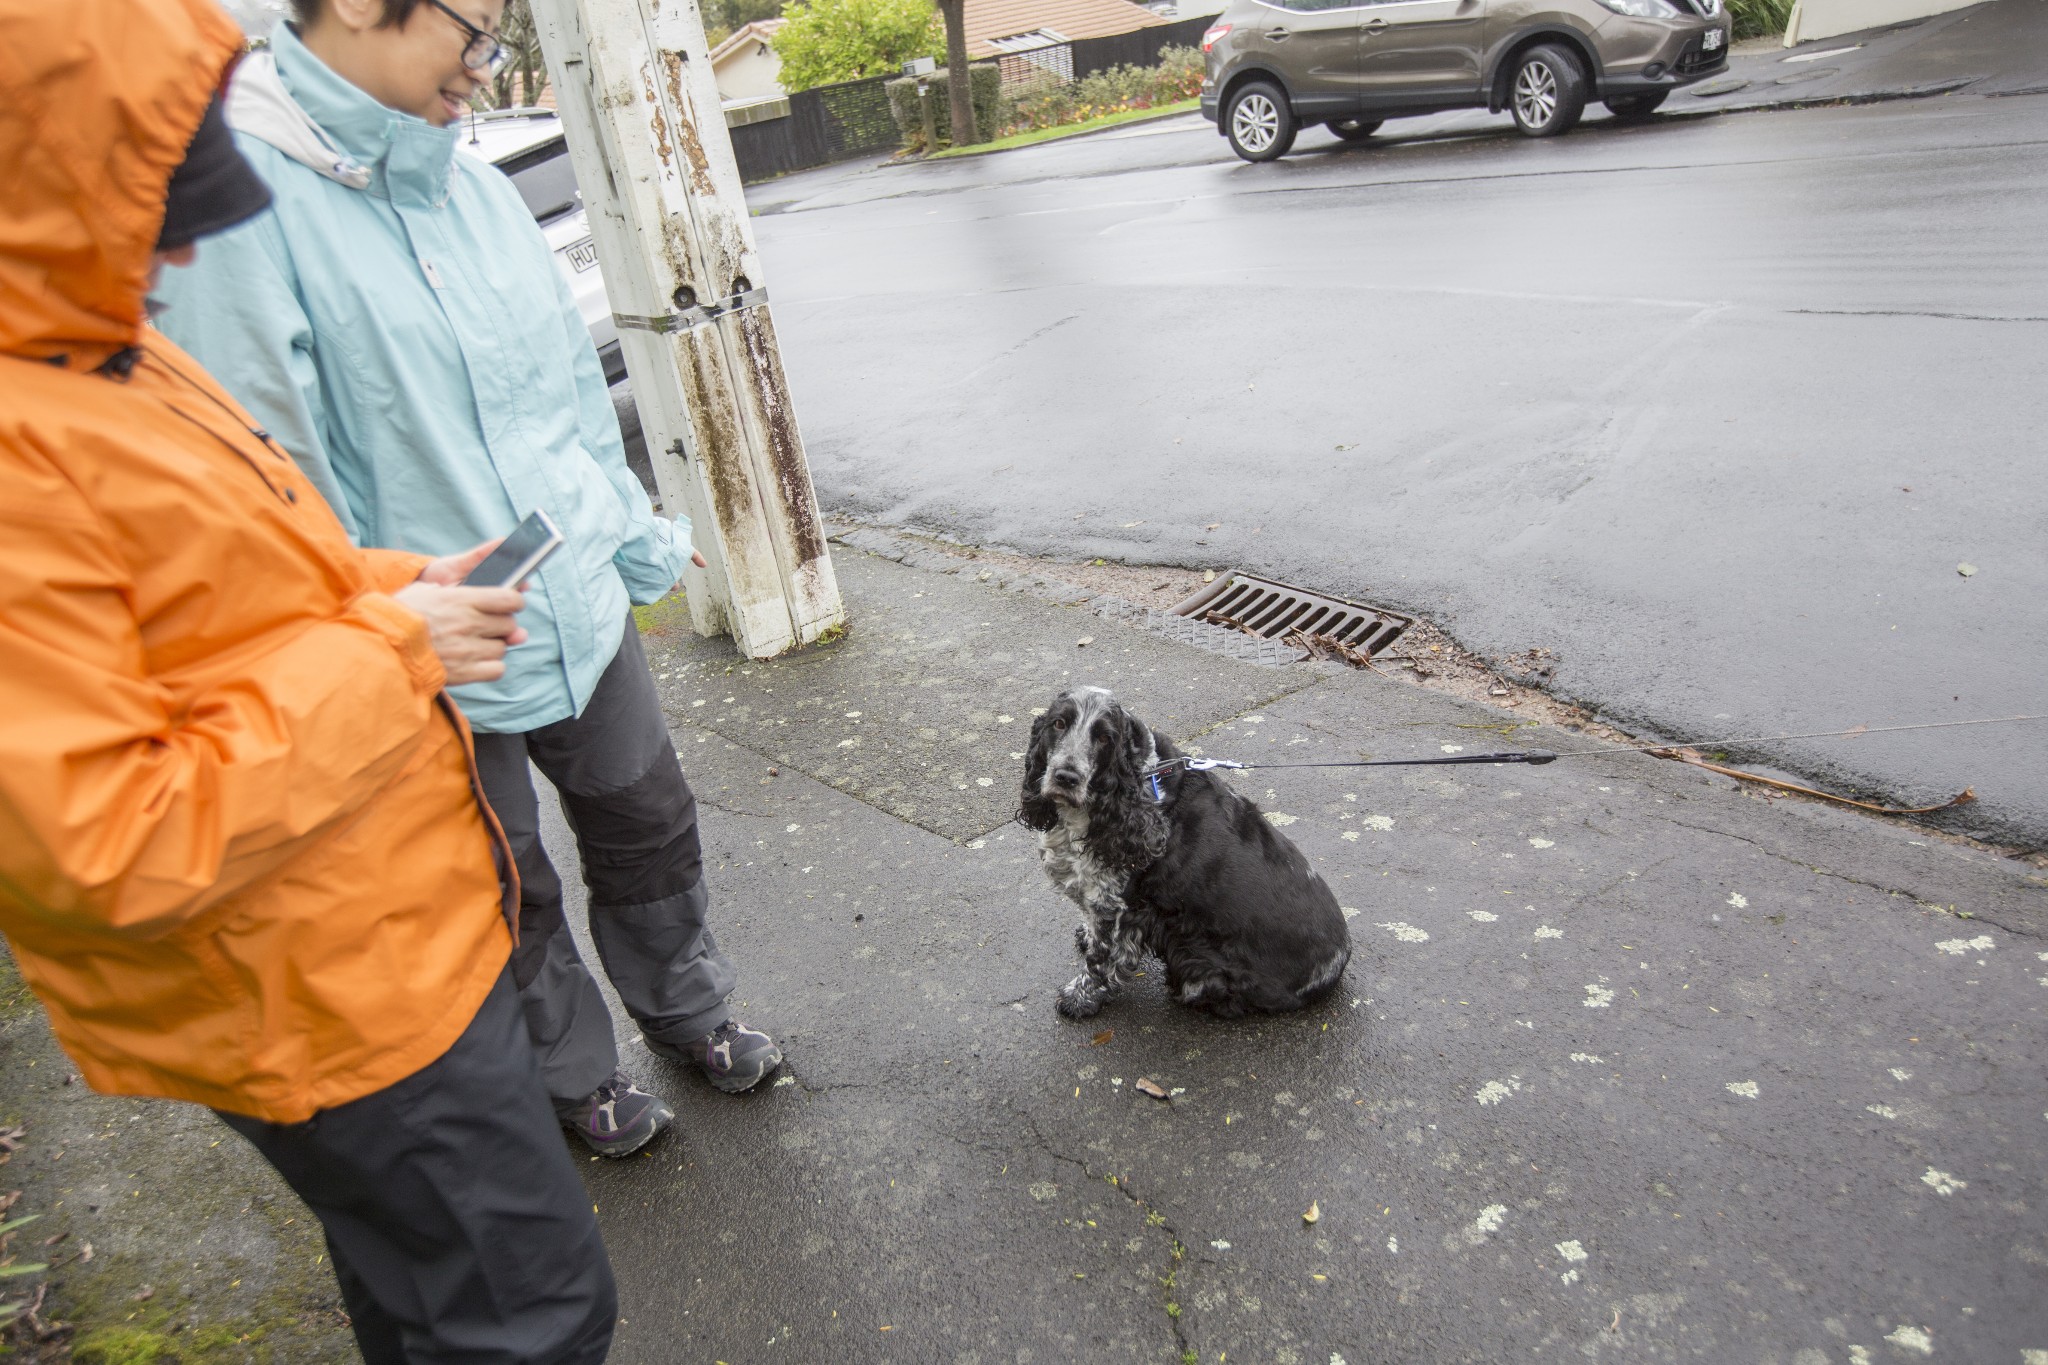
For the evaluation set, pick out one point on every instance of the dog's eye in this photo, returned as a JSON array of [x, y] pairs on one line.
[[1059, 725]]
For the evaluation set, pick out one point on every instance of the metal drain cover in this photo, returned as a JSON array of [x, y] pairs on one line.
[[1275, 610]]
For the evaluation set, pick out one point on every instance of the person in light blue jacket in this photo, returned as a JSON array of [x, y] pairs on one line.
[[398, 324]]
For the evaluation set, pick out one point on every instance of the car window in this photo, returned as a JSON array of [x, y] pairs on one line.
[[545, 180], [1311, 6]]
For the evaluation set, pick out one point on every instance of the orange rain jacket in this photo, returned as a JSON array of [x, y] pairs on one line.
[[242, 860]]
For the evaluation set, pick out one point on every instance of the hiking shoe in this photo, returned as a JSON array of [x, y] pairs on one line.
[[618, 1118], [733, 1056]]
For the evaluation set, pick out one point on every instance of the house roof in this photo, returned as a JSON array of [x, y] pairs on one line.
[[992, 19], [760, 31]]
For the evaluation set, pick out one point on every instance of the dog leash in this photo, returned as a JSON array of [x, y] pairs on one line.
[[1202, 765]]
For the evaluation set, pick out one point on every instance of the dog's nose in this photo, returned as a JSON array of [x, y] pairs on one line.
[[1065, 778]]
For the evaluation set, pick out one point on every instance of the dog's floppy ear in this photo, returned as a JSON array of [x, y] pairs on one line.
[[1035, 810], [1126, 827]]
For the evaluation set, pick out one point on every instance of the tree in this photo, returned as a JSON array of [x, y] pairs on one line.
[[723, 18], [526, 75], [843, 40], [959, 85]]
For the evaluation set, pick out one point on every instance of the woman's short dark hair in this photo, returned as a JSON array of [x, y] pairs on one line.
[[395, 11]]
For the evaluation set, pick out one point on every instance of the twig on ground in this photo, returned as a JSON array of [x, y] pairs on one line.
[[1329, 647], [1693, 756]]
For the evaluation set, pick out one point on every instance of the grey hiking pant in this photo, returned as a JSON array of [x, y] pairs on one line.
[[635, 822]]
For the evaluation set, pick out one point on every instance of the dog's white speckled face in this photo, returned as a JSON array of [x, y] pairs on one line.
[[1078, 729]]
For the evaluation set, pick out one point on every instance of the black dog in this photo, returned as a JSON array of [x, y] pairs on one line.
[[1173, 863]]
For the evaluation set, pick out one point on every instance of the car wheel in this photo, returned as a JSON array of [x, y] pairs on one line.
[[1547, 92], [1354, 129], [1258, 123], [1636, 106]]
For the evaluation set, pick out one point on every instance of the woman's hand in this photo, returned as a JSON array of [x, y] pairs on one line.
[[471, 628], [449, 570]]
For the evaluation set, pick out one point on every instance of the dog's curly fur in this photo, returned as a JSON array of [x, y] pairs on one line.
[[1185, 869]]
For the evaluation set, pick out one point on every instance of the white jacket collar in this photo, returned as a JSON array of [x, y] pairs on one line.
[[259, 105]]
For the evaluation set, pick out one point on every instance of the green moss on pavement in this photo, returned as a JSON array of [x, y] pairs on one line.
[[144, 1346], [15, 998], [664, 619]]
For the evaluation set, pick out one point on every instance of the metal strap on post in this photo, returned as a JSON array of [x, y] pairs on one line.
[[690, 319]]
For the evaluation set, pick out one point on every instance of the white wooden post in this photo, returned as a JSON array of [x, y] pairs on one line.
[[647, 135]]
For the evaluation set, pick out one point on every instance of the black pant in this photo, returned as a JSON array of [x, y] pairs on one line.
[[458, 1224], [635, 822]]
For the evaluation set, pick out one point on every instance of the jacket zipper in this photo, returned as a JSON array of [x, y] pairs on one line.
[[284, 495]]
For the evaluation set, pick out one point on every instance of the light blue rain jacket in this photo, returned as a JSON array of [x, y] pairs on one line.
[[398, 323]]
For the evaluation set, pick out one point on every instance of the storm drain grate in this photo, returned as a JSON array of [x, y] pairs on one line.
[[1276, 611]]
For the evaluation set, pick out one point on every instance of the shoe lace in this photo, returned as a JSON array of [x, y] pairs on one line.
[[614, 1089]]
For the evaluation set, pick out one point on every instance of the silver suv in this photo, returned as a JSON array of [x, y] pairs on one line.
[[1276, 65]]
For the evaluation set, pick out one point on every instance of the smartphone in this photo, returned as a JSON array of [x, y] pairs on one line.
[[519, 554]]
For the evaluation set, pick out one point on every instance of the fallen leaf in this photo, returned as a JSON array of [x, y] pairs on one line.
[[1315, 1211], [1152, 1087], [1966, 570], [1352, 446], [1208, 575], [1084, 642], [1099, 1039], [1214, 525]]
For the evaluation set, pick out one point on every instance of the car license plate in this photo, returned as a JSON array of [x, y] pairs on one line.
[[583, 254], [1711, 43]]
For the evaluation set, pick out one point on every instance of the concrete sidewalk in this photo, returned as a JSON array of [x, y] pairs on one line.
[[1997, 48], [1629, 1066]]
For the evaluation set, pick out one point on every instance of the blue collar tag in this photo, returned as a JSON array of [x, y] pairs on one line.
[[1158, 795]]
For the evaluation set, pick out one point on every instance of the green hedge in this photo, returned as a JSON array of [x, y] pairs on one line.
[[1755, 18], [985, 80], [1177, 77]]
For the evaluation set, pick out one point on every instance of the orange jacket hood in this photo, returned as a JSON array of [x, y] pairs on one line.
[[98, 101]]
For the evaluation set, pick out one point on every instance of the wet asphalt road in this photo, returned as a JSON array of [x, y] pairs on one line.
[[1712, 408]]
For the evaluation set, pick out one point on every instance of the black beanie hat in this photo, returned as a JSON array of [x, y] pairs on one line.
[[213, 188]]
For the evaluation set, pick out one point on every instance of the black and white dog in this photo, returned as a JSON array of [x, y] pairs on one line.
[[1175, 864]]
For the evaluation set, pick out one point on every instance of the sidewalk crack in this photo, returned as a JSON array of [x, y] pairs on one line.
[[1976, 916], [1153, 1217]]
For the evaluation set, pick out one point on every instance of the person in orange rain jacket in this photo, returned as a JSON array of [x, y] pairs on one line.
[[243, 861]]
